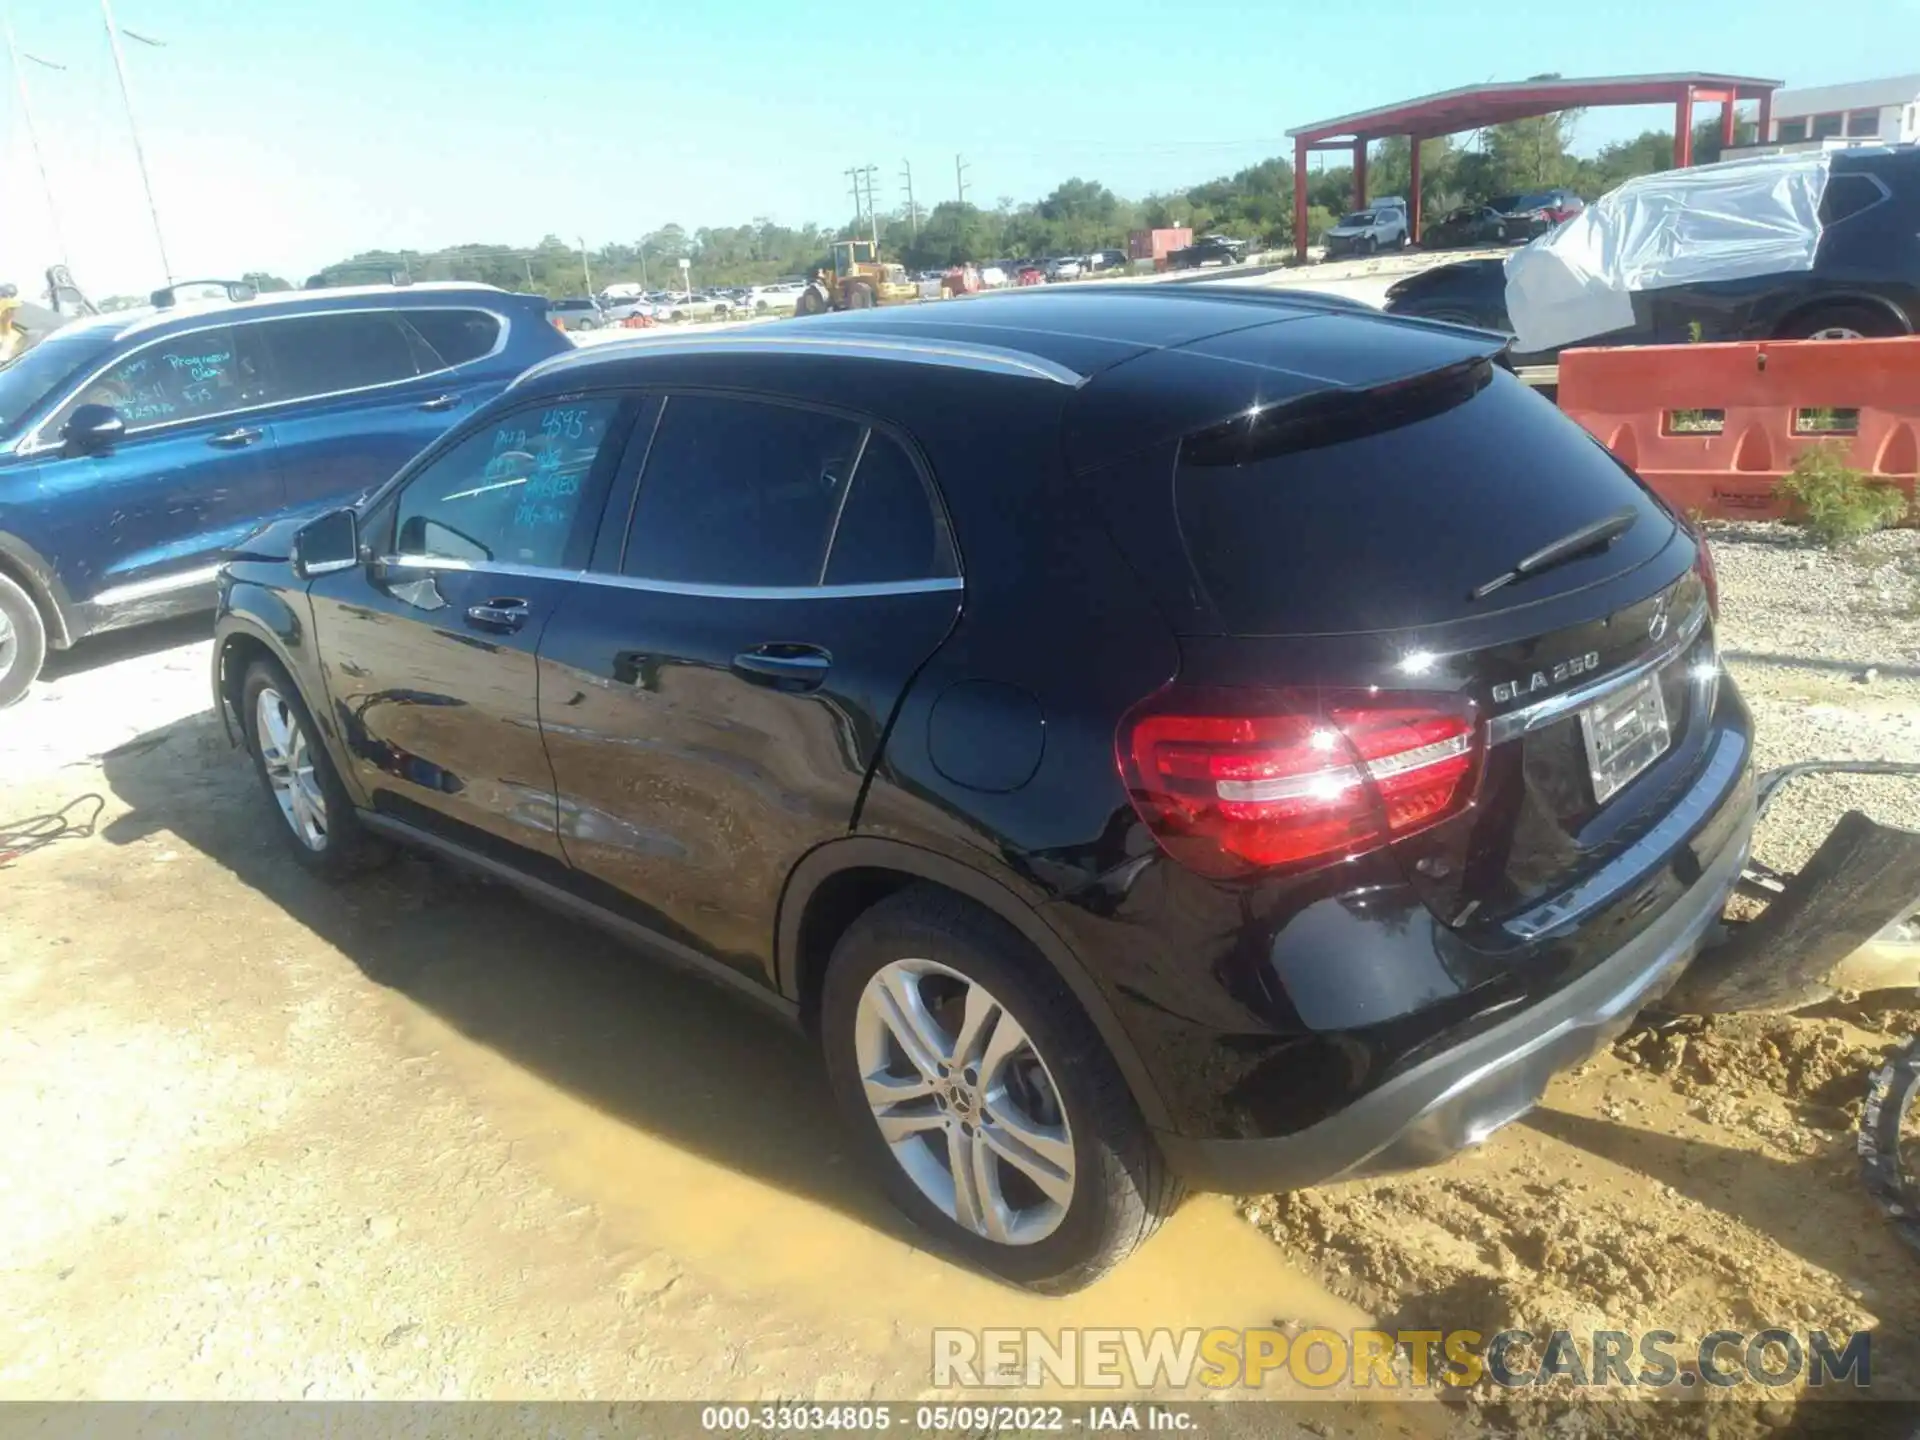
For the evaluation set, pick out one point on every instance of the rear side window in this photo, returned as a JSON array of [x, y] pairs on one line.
[[327, 354], [740, 493], [890, 528], [1847, 195], [1388, 512], [453, 337]]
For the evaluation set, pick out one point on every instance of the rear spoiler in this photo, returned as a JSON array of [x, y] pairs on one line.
[[1332, 417]]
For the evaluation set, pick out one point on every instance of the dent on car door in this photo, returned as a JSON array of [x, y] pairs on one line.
[[427, 647], [365, 391], [149, 517], [714, 698]]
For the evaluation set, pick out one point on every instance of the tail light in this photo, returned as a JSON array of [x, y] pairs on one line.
[[1703, 566], [1235, 781], [1709, 580]]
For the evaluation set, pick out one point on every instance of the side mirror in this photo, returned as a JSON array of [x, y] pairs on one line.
[[327, 544], [93, 429]]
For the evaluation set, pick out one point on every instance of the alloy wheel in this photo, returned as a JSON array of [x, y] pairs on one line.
[[1837, 332], [288, 757], [965, 1101], [9, 645]]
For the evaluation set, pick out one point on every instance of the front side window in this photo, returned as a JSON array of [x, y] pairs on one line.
[[315, 355], [30, 379], [740, 493], [183, 377], [508, 494]]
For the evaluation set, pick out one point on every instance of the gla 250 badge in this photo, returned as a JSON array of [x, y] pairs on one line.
[[1546, 679]]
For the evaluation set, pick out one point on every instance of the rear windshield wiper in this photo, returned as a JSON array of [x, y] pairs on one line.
[[1595, 536]]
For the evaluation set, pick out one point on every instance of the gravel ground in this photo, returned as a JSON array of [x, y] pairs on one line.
[[1826, 649]]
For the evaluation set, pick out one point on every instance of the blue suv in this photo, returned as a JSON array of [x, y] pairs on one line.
[[136, 448]]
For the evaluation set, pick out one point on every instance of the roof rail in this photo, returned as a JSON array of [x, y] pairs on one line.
[[346, 275], [168, 297], [846, 344]]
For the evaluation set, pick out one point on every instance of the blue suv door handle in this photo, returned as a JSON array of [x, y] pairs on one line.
[[499, 614], [440, 402], [234, 439]]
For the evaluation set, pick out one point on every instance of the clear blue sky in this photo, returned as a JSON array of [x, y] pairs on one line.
[[286, 133]]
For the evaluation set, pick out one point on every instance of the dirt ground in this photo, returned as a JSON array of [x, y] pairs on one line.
[[414, 1137], [266, 1138]]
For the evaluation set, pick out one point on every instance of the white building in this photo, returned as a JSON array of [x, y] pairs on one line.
[[1867, 112]]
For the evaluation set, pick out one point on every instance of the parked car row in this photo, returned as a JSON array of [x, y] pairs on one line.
[[1503, 220]]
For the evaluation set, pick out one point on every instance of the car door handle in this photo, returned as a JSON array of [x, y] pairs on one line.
[[440, 402], [786, 666], [234, 439], [499, 614]]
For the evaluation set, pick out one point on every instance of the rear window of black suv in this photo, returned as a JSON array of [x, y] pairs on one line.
[[1384, 509]]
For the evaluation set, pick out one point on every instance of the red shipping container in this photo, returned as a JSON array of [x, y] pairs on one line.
[[1157, 244]]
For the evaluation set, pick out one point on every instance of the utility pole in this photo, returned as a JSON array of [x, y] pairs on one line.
[[527, 263], [33, 136], [133, 128], [960, 169], [863, 183], [913, 215], [859, 199], [586, 272]]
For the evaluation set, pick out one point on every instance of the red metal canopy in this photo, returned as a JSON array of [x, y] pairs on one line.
[[1472, 107]]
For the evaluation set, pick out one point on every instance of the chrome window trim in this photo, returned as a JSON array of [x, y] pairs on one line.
[[34, 442], [1633, 863], [674, 587], [954, 354], [1528, 718]]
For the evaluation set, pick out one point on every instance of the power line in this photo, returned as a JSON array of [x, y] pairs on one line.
[[133, 128], [33, 136]]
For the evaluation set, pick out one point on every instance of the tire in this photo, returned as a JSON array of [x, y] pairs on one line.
[[1369, 246], [929, 943], [860, 297], [340, 845], [809, 303], [1839, 322], [23, 641]]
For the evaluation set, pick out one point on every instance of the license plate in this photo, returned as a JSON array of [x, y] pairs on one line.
[[1625, 733]]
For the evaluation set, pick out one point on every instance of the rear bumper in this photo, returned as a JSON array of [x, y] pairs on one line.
[[1463, 1095]]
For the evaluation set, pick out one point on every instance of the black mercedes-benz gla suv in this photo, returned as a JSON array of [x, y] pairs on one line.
[[1152, 736]]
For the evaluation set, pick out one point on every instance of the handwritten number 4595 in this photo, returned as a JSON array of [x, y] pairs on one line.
[[563, 424]]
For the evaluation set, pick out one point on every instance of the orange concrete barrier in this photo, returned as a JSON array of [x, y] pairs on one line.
[[1713, 428]]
